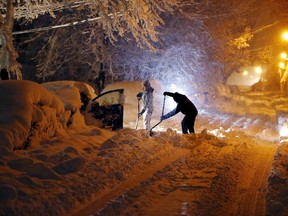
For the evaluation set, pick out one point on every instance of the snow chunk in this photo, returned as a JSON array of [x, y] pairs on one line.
[[70, 166], [38, 170]]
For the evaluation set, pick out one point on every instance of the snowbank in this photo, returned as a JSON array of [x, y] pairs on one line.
[[28, 114], [277, 194], [75, 96]]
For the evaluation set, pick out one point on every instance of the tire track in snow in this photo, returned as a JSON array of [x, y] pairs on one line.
[[108, 196], [255, 201]]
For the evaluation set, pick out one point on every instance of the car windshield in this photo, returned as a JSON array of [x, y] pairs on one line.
[[111, 97]]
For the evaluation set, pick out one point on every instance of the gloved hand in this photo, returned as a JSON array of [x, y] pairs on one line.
[[162, 118], [165, 93], [139, 95], [141, 113]]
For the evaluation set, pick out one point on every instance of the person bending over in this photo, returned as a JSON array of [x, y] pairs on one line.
[[185, 106]]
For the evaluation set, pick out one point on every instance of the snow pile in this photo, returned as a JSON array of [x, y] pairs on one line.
[[255, 103], [75, 96], [29, 113], [69, 92], [63, 173], [277, 195]]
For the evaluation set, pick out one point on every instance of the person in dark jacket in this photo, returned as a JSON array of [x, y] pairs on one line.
[[185, 106]]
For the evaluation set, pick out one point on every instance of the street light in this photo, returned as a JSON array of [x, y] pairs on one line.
[[258, 70], [281, 65], [245, 73], [285, 35], [283, 55]]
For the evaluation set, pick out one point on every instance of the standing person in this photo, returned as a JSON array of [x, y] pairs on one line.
[[100, 80], [147, 104], [185, 106]]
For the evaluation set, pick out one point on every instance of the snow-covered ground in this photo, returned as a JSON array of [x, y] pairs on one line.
[[71, 168]]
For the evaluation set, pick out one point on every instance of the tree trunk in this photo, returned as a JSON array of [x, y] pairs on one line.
[[6, 26]]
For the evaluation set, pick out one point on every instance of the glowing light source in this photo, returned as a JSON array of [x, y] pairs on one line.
[[258, 70], [245, 73], [283, 127], [170, 103], [281, 65], [173, 87], [283, 55], [246, 77], [283, 133], [285, 35]]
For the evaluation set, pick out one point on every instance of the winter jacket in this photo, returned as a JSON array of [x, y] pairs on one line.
[[147, 98], [184, 105]]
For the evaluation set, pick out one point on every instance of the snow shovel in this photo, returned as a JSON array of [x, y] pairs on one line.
[[139, 98], [151, 132]]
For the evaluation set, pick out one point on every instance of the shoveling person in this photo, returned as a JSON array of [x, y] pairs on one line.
[[147, 104], [185, 106]]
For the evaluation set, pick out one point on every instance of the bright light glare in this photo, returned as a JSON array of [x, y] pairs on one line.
[[170, 103], [283, 55], [178, 87], [284, 131], [246, 77], [283, 127], [258, 70], [245, 73], [281, 65], [285, 35], [173, 87]]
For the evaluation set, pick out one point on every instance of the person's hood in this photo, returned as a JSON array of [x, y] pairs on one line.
[[150, 89], [146, 83], [176, 97]]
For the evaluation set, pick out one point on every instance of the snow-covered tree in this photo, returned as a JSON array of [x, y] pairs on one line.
[[115, 18], [203, 44], [224, 35]]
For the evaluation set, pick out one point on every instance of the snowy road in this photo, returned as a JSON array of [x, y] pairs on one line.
[[200, 175], [255, 200], [120, 192]]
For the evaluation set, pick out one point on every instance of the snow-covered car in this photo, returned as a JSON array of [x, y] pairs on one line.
[[104, 110]]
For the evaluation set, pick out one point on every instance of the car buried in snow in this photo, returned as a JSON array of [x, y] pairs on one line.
[[104, 110]]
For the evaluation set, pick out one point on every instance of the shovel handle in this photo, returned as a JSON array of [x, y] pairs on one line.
[[150, 132]]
